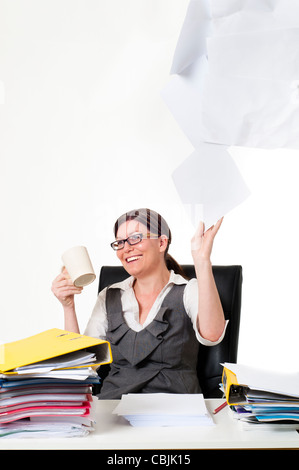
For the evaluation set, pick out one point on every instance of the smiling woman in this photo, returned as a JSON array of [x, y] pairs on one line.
[[155, 319], [144, 224], [142, 242]]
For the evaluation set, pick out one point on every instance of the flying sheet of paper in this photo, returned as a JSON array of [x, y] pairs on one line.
[[214, 184], [183, 96], [231, 16], [260, 113], [254, 71], [235, 82], [192, 41], [250, 91], [271, 55]]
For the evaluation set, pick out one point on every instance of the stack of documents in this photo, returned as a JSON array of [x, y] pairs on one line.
[[262, 397], [46, 384], [164, 409]]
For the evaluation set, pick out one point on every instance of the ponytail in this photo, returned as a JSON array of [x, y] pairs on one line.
[[172, 264]]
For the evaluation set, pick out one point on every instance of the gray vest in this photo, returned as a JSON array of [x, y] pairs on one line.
[[160, 358]]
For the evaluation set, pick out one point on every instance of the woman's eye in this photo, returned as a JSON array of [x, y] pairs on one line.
[[135, 238]]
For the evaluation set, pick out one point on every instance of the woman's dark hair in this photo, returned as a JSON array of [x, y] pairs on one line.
[[155, 225]]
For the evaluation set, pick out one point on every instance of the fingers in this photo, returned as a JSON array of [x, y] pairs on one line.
[[218, 224], [214, 228], [63, 284], [64, 272], [63, 287], [197, 237], [200, 229], [202, 241]]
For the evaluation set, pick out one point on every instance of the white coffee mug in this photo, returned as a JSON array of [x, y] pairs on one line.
[[78, 264]]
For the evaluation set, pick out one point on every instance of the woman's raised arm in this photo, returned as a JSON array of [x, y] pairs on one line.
[[210, 317]]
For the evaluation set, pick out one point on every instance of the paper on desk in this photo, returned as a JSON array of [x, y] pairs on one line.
[[284, 383], [50, 426], [214, 184], [67, 374], [163, 409], [61, 362]]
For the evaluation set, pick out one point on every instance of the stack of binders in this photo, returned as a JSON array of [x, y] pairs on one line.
[[46, 384], [261, 397]]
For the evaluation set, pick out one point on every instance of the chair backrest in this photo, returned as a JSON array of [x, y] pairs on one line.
[[229, 284]]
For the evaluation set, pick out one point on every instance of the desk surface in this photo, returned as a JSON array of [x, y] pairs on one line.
[[114, 432]]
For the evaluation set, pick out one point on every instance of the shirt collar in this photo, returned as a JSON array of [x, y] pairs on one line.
[[128, 283]]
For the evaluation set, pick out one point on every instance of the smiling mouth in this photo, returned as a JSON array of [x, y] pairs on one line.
[[131, 259]]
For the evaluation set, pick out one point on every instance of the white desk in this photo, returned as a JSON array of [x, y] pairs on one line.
[[113, 432]]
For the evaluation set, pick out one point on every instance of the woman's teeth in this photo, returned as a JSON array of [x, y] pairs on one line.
[[132, 258]]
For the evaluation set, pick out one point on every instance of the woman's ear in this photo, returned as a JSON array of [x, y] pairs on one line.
[[163, 243]]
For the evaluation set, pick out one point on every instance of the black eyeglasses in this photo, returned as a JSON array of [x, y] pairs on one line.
[[132, 240]]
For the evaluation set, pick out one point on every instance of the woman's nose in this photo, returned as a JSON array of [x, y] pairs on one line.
[[127, 246]]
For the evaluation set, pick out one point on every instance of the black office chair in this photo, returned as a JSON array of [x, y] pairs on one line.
[[229, 284]]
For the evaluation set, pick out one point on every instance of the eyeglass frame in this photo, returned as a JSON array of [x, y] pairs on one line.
[[124, 240]]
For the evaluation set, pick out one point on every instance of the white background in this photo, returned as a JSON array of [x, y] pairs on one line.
[[85, 136]]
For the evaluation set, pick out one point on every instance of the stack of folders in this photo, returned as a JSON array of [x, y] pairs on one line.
[[164, 409], [46, 384], [262, 397]]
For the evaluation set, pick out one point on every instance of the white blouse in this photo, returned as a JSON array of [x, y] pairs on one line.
[[98, 323]]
